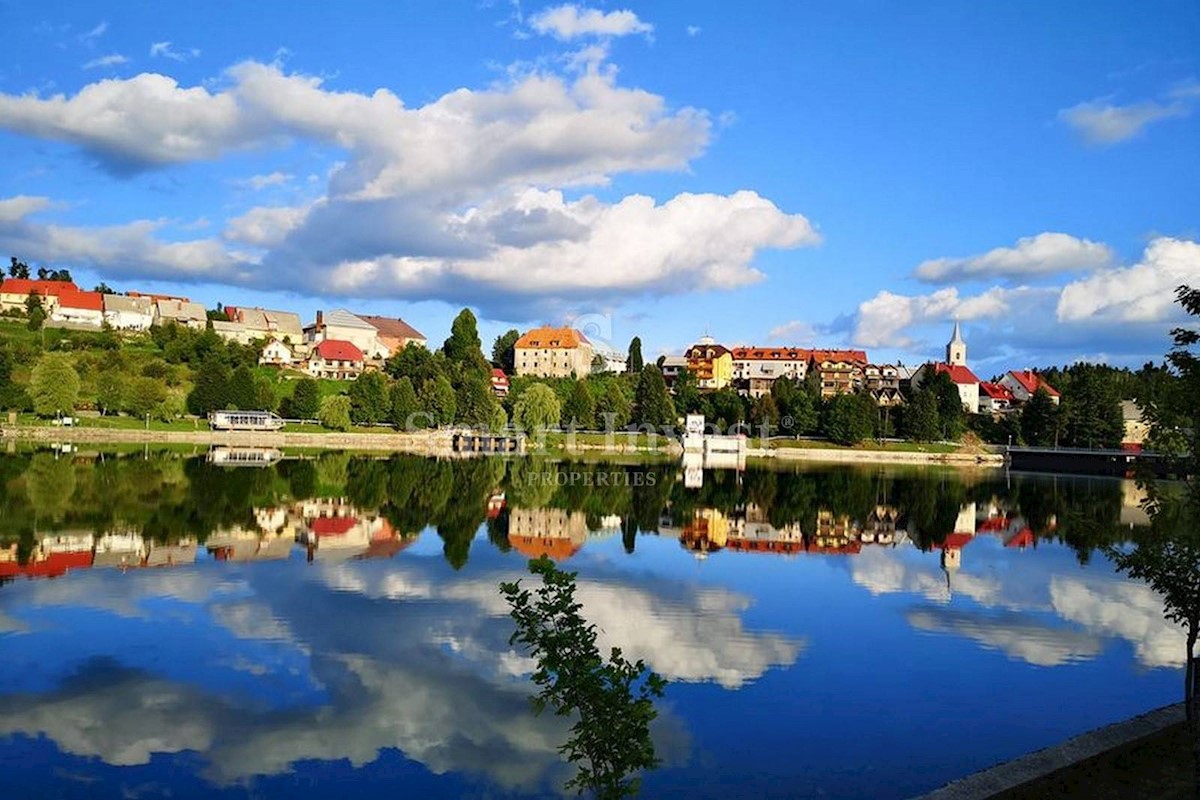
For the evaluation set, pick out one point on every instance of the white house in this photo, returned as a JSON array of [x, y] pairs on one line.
[[342, 326], [755, 369], [964, 380], [80, 308], [1025, 383], [277, 354], [124, 313]]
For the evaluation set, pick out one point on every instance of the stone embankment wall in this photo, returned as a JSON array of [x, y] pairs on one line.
[[431, 443], [851, 456]]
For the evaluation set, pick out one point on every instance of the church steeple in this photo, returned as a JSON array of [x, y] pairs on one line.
[[956, 348]]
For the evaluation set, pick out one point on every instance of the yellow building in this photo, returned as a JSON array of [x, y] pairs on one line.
[[711, 363]]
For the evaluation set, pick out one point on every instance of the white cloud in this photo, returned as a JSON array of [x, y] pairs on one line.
[[167, 50], [1144, 292], [260, 182], [1102, 123], [111, 60], [95, 33], [1044, 254], [14, 209], [796, 332], [568, 22], [265, 226], [1140, 298], [456, 200], [693, 30]]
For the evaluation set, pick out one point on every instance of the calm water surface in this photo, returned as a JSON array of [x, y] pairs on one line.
[[330, 627]]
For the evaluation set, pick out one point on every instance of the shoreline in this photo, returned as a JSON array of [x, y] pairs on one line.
[[438, 444]]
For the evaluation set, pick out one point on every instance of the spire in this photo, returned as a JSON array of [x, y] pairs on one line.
[[957, 337], [956, 348]]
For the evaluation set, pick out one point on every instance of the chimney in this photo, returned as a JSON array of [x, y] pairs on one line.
[[320, 318]]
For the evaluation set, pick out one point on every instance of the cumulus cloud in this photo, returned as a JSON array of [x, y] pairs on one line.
[[1043, 254], [1140, 297], [265, 226], [569, 21], [111, 60], [1144, 292], [460, 199], [95, 33], [795, 332]]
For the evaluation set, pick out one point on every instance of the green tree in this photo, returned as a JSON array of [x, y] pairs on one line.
[[144, 396], [614, 406], [798, 404], [611, 701], [849, 418], [103, 288], [463, 346], [417, 364], [12, 395], [579, 411], [1168, 555], [537, 409], [240, 393], [504, 353], [334, 412], [35, 312], [476, 404], [764, 415], [306, 399], [438, 398], [17, 268], [951, 415], [110, 391], [369, 400], [211, 389], [686, 390], [635, 355], [1039, 420], [728, 408], [652, 404], [404, 405], [920, 422], [54, 385], [1092, 409]]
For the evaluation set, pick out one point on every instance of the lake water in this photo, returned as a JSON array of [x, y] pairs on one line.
[[330, 626]]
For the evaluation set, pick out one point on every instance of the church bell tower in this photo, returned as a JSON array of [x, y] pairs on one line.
[[956, 349]]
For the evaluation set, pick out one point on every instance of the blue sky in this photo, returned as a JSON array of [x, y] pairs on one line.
[[781, 173]]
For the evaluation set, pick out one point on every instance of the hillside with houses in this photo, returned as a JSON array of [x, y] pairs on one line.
[[272, 360]]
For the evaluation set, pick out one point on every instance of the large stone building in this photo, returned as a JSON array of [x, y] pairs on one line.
[[553, 353]]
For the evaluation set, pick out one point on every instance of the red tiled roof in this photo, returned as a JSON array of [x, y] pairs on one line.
[[957, 372], [332, 526], [995, 391], [854, 356], [498, 376], [1023, 539], [770, 354], [392, 328], [557, 338], [27, 286], [1031, 382], [338, 350], [955, 541], [556, 548], [90, 301]]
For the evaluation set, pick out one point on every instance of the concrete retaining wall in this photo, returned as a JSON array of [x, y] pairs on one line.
[[990, 460]]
